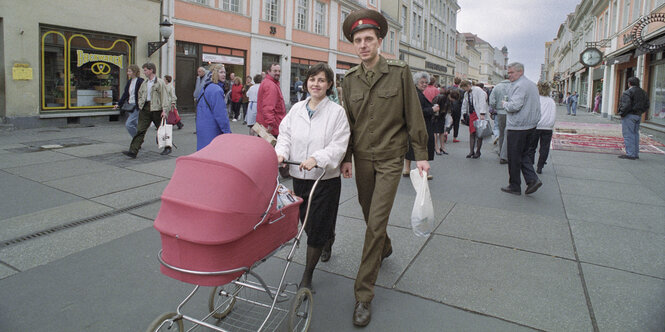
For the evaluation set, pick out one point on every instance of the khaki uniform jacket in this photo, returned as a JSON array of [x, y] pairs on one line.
[[160, 100], [385, 114]]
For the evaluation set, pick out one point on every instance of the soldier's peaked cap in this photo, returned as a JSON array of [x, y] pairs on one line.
[[364, 19]]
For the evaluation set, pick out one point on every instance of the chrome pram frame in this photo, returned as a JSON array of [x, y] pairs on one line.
[[299, 312]]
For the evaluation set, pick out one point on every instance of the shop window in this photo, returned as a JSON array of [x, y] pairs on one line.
[[657, 94], [82, 70]]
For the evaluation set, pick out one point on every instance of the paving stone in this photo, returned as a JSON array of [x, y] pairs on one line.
[[610, 211], [530, 232], [620, 176], [134, 195], [47, 218], [6, 271], [347, 251], [539, 291], [27, 196], [163, 168], [610, 190], [149, 211], [120, 160], [93, 149], [101, 183], [619, 247], [46, 249], [15, 159], [58, 169], [624, 301]]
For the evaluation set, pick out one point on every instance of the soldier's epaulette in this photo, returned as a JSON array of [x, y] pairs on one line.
[[352, 69], [395, 62]]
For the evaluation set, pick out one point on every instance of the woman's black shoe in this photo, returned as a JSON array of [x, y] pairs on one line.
[[476, 155], [444, 152], [470, 155]]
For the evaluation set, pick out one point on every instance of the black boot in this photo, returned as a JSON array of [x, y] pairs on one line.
[[180, 125], [312, 259]]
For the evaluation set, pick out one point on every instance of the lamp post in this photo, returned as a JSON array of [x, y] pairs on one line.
[[165, 30]]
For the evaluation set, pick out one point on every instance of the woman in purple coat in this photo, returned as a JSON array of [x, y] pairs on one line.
[[211, 117]]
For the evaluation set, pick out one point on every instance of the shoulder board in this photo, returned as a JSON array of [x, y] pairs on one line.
[[393, 62], [352, 69]]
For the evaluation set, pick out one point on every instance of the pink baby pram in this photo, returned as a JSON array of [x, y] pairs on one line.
[[222, 214]]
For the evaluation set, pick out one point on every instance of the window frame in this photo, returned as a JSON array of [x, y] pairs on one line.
[[267, 15]]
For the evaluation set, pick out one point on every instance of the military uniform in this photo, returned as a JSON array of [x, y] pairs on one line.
[[384, 112]]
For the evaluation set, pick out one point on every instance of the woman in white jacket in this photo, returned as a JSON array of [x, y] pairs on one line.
[[316, 132], [545, 126]]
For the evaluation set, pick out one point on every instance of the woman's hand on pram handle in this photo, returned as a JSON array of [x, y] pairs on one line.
[[280, 161], [308, 164]]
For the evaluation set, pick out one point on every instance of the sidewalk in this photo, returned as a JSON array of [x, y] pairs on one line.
[[583, 253]]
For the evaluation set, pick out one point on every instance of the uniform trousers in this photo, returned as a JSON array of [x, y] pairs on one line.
[[377, 183], [145, 117], [521, 151]]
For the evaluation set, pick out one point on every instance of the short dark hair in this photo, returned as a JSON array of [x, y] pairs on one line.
[[455, 94], [151, 66], [315, 70], [272, 65], [168, 78], [258, 78], [457, 80], [634, 81]]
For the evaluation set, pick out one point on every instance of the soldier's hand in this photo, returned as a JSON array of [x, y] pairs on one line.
[[347, 169], [423, 166]]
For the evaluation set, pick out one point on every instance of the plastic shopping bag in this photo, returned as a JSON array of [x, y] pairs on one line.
[[483, 128], [422, 215], [165, 135]]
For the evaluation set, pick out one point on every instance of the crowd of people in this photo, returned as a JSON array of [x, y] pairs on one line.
[[380, 122]]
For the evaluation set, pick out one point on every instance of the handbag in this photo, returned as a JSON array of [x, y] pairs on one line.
[[471, 109], [465, 119], [483, 128], [422, 215], [127, 107], [165, 135]]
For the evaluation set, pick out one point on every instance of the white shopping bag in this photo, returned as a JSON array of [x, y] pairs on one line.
[[422, 215], [165, 135]]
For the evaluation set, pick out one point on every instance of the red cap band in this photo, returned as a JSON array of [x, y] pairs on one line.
[[364, 21]]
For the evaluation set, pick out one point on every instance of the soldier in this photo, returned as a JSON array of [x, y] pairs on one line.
[[384, 112]]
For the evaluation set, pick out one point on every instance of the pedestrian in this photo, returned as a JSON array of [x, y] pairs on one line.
[[384, 113], [560, 97], [439, 125], [200, 79], [236, 98], [130, 98], [573, 103], [316, 133], [523, 107], [245, 99], [596, 102], [420, 80], [252, 95], [568, 103], [298, 88], [634, 101], [431, 90], [154, 104], [545, 126], [174, 117], [271, 108], [456, 108], [474, 104], [211, 116], [498, 95]]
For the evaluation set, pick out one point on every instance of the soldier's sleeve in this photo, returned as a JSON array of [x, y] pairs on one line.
[[413, 114], [346, 91]]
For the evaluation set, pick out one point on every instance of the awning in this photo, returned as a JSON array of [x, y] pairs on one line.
[[618, 59], [655, 42]]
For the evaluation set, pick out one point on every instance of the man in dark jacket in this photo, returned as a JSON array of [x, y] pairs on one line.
[[633, 103]]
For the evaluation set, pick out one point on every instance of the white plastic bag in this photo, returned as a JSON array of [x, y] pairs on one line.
[[422, 215], [165, 135], [483, 128]]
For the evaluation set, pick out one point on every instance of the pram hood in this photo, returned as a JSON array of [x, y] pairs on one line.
[[218, 194]]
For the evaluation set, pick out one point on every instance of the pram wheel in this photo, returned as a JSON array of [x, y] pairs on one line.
[[300, 315], [222, 304], [166, 322]]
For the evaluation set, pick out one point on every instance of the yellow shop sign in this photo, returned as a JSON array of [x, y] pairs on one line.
[[83, 58]]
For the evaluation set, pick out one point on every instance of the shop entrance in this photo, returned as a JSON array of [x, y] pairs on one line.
[[185, 71]]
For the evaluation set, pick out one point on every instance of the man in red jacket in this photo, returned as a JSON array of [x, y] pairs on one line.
[[270, 108]]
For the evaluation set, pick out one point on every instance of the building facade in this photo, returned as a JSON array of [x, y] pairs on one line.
[[487, 64], [428, 35], [609, 26], [64, 65]]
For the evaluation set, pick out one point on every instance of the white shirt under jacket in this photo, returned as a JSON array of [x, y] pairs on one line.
[[325, 137]]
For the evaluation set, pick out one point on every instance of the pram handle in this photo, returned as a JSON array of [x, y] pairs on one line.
[[296, 163]]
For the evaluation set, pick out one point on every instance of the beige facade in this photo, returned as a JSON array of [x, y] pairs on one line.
[[486, 62], [428, 35], [49, 50]]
